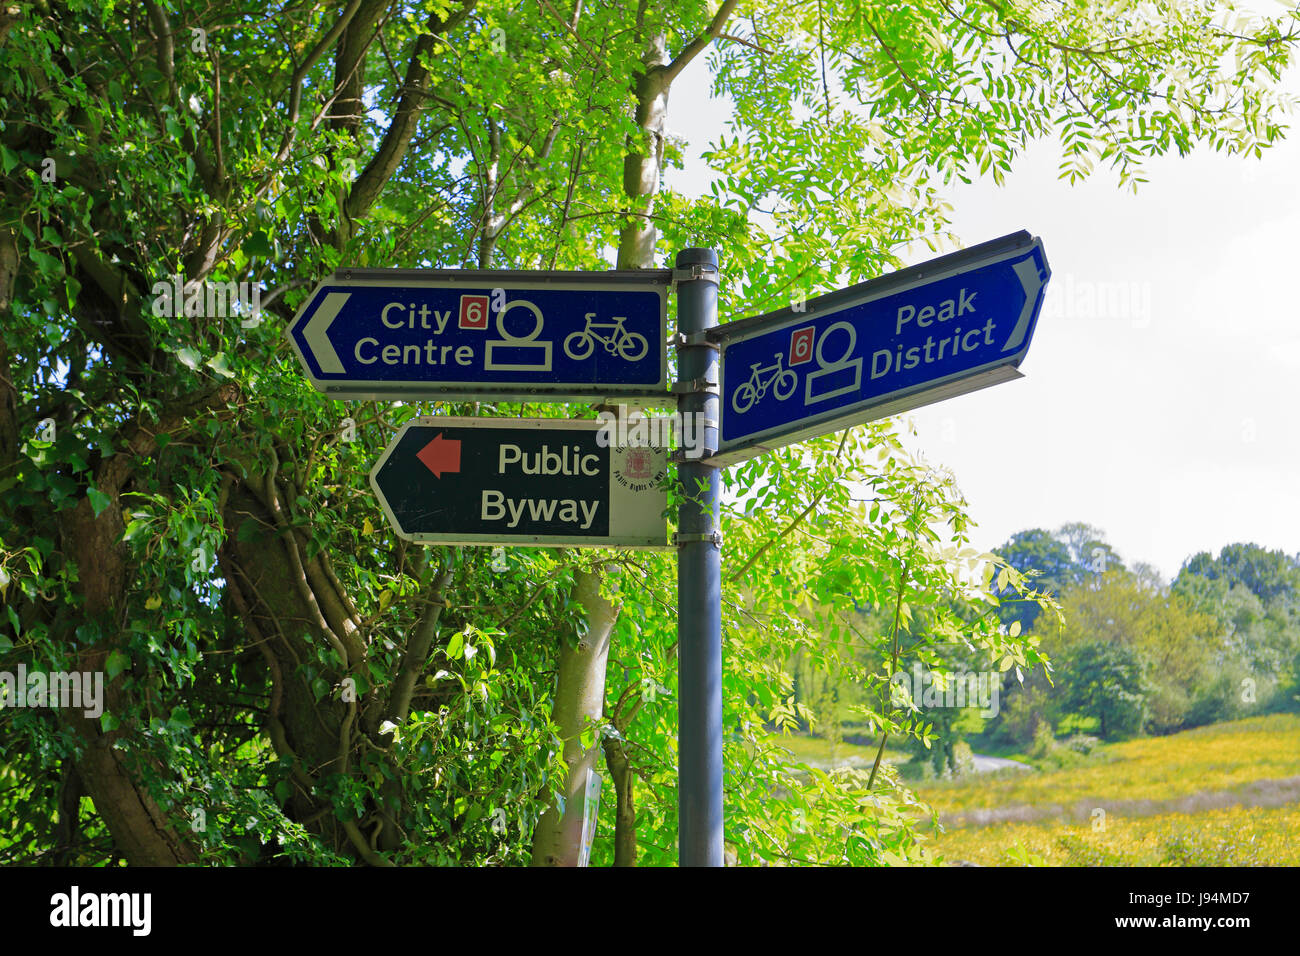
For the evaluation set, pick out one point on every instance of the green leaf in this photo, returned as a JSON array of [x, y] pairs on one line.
[[117, 662], [189, 357], [257, 245], [220, 364], [98, 500], [456, 645]]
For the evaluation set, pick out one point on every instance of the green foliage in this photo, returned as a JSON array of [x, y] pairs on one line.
[[1211, 648], [181, 508], [1048, 753], [1268, 575], [1044, 554], [1058, 560], [1254, 595], [1109, 681]]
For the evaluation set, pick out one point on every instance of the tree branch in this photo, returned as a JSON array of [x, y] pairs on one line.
[[694, 48], [365, 190]]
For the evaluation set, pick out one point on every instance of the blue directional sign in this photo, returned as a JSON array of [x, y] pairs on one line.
[[433, 334], [929, 332]]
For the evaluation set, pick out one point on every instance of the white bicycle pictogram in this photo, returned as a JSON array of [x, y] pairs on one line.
[[782, 380], [630, 346]]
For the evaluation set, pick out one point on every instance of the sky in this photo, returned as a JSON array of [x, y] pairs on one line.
[[1161, 397]]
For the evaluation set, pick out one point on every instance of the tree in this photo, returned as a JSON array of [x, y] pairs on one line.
[[1089, 551], [185, 514], [1108, 681], [1252, 594], [1076, 553], [1267, 574], [1042, 553], [1172, 640]]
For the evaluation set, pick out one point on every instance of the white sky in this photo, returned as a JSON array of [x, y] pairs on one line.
[[1166, 416]]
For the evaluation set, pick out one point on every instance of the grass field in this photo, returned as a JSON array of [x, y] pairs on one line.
[[1225, 795]]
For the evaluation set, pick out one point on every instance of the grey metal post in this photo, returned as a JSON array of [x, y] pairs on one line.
[[699, 572]]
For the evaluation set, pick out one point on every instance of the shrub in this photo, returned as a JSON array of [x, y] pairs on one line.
[[963, 759], [1082, 743]]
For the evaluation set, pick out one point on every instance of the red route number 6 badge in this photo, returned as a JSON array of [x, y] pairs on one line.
[[801, 345], [473, 312]]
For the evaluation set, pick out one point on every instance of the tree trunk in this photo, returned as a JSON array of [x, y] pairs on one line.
[[644, 161], [141, 831], [579, 700], [636, 250], [620, 768]]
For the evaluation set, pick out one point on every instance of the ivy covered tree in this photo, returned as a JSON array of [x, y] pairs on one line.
[[182, 512]]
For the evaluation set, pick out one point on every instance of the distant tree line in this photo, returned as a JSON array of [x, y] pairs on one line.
[[1129, 653], [1134, 654]]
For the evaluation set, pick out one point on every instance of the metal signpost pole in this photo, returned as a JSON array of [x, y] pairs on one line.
[[699, 570]]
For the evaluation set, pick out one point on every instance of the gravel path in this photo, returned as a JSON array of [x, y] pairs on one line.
[[983, 763]]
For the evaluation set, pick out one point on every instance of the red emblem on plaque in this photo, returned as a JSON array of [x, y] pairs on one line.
[[639, 463]]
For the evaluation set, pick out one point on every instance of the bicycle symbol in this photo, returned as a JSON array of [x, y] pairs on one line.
[[782, 380], [629, 345]]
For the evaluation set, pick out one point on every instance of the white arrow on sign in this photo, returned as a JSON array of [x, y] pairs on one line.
[[1027, 271], [316, 332]]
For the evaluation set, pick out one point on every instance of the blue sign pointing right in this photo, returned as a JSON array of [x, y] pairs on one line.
[[929, 332]]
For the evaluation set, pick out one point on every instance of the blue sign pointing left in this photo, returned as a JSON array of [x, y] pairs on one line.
[[461, 334]]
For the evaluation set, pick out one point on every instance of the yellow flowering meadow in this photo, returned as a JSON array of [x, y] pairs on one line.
[[1224, 795], [1235, 836], [1226, 756]]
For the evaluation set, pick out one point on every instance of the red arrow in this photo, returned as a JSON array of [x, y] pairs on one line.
[[441, 456]]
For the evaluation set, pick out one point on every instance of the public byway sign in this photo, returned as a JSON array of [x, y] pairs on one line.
[[943, 328], [539, 481], [406, 334]]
